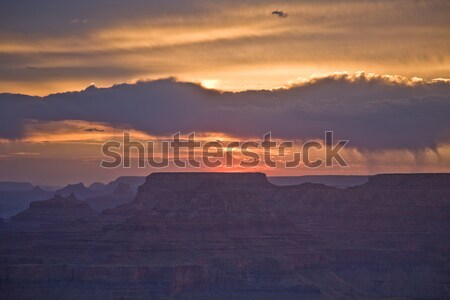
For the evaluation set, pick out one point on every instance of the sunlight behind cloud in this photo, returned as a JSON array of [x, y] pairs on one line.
[[242, 45], [210, 83]]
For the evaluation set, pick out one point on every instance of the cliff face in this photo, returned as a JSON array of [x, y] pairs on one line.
[[195, 194], [194, 181], [222, 236], [409, 181]]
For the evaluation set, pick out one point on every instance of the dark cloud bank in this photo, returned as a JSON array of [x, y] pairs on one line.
[[371, 112]]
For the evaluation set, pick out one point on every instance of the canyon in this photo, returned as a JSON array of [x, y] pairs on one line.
[[235, 236]]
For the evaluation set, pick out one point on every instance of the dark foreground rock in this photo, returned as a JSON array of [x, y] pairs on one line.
[[236, 236]]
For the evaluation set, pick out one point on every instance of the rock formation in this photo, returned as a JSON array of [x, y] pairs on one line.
[[56, 213], [121, 195], [237, 236]]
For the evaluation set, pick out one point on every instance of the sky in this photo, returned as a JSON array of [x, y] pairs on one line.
[[374, 72]]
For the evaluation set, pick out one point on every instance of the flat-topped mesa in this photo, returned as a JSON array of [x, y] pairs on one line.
[[409, 181], [194, 193], [194, 180]]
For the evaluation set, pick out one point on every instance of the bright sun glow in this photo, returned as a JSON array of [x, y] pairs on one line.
[[210, 83]]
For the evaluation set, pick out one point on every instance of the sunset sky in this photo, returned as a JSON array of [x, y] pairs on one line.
[[375, 72]]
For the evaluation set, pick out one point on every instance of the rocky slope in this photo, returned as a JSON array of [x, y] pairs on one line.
[[222, 236], [56, 213], [16, 196]]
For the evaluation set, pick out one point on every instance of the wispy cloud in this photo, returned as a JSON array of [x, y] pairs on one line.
[[93, 129], [239, 43]]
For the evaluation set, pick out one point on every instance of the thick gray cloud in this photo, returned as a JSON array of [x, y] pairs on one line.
[[371, 112]]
